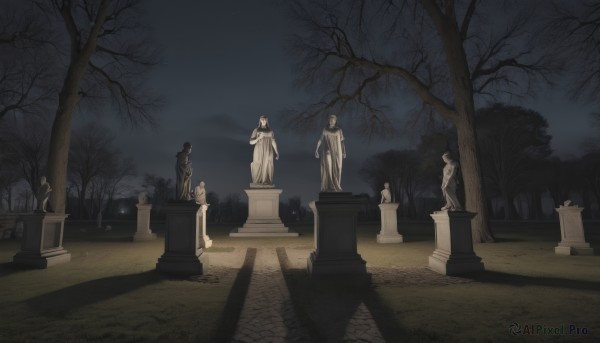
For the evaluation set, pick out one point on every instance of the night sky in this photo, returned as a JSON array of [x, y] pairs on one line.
[[224, 64]]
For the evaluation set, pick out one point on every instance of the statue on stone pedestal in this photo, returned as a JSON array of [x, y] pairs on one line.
[[334, 151], [183, 168], [386, 195], [265, 147], [200, 194], [42, 194], [450, 184], [143, 198]]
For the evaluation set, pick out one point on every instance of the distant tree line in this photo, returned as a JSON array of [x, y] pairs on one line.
[[517, 165], [98, 171]]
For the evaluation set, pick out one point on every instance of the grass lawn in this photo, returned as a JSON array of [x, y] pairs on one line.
[[110, 292]]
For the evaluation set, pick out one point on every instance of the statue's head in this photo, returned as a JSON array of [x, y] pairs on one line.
[[332, 120], [263, 121], [201, 184], [386, 185], [42, 180], [447, 157], [187, 146]]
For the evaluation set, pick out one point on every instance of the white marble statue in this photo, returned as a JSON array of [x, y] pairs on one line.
[[42, 194], [386, 195], [332, 155], [450, 184], [183, 168], [265, 148], [143, 198], [200, 193]]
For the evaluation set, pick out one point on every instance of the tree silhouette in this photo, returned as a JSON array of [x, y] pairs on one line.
[[105, 54], [513, 141], [443, 52]]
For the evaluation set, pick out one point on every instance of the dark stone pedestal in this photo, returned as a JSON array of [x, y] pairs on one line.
[[41, 246], [454, 253], [335, 216], [183, 254]]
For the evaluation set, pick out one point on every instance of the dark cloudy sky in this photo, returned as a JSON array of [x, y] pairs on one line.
[[224, 64]]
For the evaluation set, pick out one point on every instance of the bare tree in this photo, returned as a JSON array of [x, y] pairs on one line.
[[27, 137], [444, 52], [110, 182], [27, 63], [107, 56], [91, 156], [513, 142], [588, 172], [575, 29], [9, 175], [161, 189]]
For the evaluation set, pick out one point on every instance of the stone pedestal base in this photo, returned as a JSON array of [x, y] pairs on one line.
[[143, 232], [205, 241], [389, 224], [453, 253], [263, 215], [572, 249], [335, 236], [41, 246], [183, 252], [572, 234]]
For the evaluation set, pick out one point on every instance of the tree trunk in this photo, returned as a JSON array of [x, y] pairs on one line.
[[535, 209], [471, 173], [510, 212], [68, 98], [60, 140]]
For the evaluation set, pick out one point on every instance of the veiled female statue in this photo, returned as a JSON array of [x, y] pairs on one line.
[[265, 148], [333, 152], [183, 169]]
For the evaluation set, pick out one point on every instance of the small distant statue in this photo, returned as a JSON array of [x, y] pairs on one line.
[[183, 168], [200, 193], [265, 147], [450, 184], [143, 198], [386, 195], [334, 151], [42, 194]]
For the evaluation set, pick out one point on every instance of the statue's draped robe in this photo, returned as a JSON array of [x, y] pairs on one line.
[[262, 159], [183, 169], [450, 198], [331, 160]]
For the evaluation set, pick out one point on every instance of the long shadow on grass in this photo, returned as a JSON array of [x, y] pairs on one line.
[[325, 306], [235, 301], [522, 280], [59, 303], [9, 268]]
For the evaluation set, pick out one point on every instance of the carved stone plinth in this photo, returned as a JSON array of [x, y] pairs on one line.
[[572, 234], [335, 216], [454, 253], [143, 232], [41, 246], [183, 254], [263, 215], [389, 224], [205, 241]]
